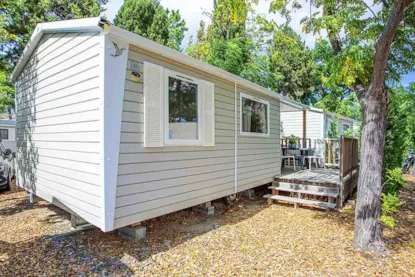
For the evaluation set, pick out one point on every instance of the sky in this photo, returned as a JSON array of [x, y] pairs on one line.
[[191, 11]]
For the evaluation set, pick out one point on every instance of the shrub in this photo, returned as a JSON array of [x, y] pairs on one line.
[[394, 181], [390, 205]]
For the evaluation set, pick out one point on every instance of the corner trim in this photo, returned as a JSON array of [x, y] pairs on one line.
[[113, 76]]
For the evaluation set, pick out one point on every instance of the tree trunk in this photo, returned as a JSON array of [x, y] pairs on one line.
[[374, 101], [413, 170], [368, 229]]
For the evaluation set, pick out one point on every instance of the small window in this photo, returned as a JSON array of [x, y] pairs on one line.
[[183, 124], [254, 115], [4, 134], [346, 127]]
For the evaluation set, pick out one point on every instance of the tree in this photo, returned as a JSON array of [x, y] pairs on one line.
[[18, 19], [366, 48], [226, 42], [297, 73], [256, 49], [149, 19]]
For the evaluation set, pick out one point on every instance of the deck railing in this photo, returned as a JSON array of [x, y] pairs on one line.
[[349, 155], [341, 153]]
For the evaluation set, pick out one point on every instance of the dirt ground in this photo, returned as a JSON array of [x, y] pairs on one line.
[[246, 239]]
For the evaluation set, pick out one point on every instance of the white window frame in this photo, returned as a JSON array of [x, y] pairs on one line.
[[182, 142], [251, 134]]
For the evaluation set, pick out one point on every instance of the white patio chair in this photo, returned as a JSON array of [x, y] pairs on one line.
[[288, 157], [318, 154]]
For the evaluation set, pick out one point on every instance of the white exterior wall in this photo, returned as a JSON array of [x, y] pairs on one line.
[[11, 141], [292, 123], [58, 123], [156, 181]]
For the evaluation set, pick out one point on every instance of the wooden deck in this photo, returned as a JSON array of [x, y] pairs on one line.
[[329, 177]]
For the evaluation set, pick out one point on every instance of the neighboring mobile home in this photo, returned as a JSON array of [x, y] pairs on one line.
[[317, 123], [119, 129], [8, 133]]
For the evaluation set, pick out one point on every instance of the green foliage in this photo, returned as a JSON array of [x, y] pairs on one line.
[[333, 131], [256, 49], [400, 129], [225, 43], [149, 19], [296, 73], [6, 92], [292, 139], [18, 19], [390, 206], [394, 181]]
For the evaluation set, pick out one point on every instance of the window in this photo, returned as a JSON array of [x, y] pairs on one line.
[[346, 127], [179, 110], [254, 114], [4, 134], [183, 114]]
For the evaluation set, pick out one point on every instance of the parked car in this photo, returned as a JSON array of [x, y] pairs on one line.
[[7, 167]]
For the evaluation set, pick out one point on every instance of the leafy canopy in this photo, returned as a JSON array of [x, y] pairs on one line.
[[149, 19], [18, 19]]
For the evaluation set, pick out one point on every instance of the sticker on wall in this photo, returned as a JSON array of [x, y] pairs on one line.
[[170, 134], [117, 51]]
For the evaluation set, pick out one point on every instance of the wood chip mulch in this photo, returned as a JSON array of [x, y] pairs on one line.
[[246, 239]]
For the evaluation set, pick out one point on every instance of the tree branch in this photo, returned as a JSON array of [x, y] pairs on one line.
[[367, 6], [384, 42]]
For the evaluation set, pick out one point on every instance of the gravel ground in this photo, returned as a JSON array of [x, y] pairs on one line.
[[247, 239]]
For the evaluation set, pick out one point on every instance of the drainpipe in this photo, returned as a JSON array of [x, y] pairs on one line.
[[236, 140]]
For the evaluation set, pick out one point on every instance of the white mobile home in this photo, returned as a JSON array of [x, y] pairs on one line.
[[8, 133], [317, 122], [119, 129]]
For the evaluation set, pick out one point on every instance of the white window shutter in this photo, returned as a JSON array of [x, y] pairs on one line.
[[153, 105], [208, 114]]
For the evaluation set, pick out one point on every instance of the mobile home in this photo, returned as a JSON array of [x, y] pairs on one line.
[[118, 129], [8, 133], [317, 123]]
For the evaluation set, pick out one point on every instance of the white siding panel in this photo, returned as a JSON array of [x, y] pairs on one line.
[[292, 123], [58, 127]]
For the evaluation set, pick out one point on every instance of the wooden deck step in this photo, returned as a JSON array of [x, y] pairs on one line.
[[307, 187], [300, 201], [324, 192]]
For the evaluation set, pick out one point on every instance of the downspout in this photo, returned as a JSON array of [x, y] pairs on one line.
[[236, 140]]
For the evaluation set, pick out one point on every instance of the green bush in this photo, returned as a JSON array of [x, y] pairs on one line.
[[390, 205], [394, 181]]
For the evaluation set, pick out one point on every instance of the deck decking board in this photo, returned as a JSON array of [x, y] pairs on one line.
[[328, 177]]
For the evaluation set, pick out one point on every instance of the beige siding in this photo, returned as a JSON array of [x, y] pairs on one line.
[[58, 128], [259, 157], [156, 181]]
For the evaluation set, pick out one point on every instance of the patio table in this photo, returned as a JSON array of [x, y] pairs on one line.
[[305, 151]]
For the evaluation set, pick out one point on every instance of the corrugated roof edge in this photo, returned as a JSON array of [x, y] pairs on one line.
[[95, 24]]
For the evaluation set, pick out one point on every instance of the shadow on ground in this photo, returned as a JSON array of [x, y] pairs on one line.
[[95, 252]]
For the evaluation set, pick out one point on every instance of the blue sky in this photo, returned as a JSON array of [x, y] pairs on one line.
[[191, 11]]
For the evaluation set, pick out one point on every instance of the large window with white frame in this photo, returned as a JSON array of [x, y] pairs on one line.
[[254, 116], [183, 109]]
